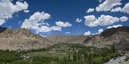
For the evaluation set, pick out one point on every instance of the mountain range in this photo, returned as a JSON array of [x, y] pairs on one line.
[[21, 38]]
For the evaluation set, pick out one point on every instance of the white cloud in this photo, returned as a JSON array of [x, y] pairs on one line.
[[114, 26], [123, 18], [48, 29], [107, 5], [100, 30], [43, 29], [45, 23], [117, 9], [89, 20], [112, 6], [19, 6], [90, 10], [67, 32], [56, 28], [78, 20], [26, 11], [7, 9], [87, 33], [2, 21], [63, 24], [36, 23], [126, 8], [103, 20]]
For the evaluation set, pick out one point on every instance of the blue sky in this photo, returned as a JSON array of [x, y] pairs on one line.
[[60, 16]]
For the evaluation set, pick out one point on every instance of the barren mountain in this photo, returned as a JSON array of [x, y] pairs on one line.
[[120, 36], [60, 38], [21, 39]]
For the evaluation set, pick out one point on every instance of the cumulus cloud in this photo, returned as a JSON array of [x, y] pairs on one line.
[[90, 10], [35, 20], [78, 20], [36, 23], [56, 28], [114, 26], [89, 20], [100, 30], [117, 9], [87, 33], [43, 29], [113, 6], [103, 20], [123, 18], [63, 24], [126, 8], [2, 21], [7, 9], [26, 11], [108, 5]]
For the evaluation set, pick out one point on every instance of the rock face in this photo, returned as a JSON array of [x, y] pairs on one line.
[[21, 39], [67, 39], [120, 36]]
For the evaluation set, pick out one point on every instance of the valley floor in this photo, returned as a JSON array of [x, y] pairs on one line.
[[63, 53]]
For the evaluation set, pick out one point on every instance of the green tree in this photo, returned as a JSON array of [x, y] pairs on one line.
[[113, 48]]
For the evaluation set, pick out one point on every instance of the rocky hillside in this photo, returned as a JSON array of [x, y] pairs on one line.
[[21, 39], [60, 38], [120, 36]]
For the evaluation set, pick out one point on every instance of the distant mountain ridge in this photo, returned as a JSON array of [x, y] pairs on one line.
[[60, 38]]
